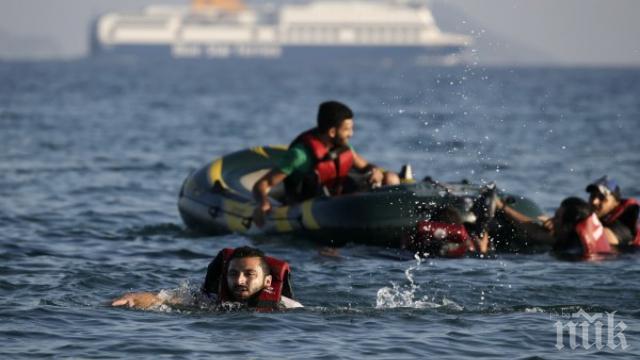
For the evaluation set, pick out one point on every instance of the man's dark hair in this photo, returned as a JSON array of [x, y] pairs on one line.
[[332, 114], [248, 251], [575, 210]]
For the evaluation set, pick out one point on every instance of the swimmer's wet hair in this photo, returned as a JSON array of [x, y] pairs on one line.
[[575, 210], [247, 252]]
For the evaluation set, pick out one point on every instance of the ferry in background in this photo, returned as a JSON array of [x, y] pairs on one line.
[[322, 30]]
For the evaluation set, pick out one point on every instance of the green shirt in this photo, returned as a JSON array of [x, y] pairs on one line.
[[298, 161]]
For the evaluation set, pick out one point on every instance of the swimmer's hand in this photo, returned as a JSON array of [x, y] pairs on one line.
[[547, 222], [329, 252], [484, 243], [140, 300]]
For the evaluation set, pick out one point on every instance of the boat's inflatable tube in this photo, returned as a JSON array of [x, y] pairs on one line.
[[217, 199]]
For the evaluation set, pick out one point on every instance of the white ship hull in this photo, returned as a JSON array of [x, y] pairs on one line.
[[363, 30]]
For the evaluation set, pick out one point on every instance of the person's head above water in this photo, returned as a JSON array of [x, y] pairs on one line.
[[604, 195], [247, 273], [335, 120], [572, 210], [242, 275]]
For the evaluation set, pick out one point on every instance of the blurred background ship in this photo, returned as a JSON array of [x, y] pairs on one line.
[[320, 30]]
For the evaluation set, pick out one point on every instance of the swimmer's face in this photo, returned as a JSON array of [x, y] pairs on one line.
[[602, 204], [341, 134], [246, 277]]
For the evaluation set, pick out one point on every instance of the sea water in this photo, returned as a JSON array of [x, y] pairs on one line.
[[93, 153]]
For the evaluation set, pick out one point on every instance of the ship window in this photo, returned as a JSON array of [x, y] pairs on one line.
[[322, 34], [364, 35], [385, 34], [142, 22], [402, 35], [361, 35]]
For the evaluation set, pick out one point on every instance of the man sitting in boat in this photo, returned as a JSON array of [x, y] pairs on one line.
[[243, 276], [318, 162], [618, 216]]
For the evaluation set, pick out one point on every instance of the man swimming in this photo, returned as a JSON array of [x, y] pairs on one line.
[[242, 276]]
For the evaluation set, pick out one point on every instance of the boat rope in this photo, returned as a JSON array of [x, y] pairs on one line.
[[215, 211]]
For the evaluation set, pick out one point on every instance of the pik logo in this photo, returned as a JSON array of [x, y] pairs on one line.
[[593, 331]]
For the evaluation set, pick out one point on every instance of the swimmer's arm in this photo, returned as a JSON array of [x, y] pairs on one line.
[[146, 300], [514, 214], [483, 243]]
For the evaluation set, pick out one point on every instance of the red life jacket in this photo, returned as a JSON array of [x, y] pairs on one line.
[[446, 239], [631, 220], [593, 238], [331, 167], [267, 300]]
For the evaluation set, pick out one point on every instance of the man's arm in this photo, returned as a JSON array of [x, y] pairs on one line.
[[517, 216], [362, 165], [539, 230], [261, 191], [145, 300], [617, 234]]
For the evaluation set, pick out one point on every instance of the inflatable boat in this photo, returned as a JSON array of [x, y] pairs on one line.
[[217, 199]]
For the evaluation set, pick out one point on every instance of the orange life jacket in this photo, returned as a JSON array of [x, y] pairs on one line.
[[445, 239], [331, 166]]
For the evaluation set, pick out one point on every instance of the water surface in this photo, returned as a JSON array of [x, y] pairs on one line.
[[92, 155]]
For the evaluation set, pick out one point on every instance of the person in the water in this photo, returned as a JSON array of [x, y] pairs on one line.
[[243, 275], [618, 214], [579, 234], [574, 231], [318, 162], [444, 234], [618, 217]]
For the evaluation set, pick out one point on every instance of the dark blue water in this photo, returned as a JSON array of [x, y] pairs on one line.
[[92, 155]]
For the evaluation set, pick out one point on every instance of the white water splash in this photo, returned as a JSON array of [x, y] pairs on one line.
[[186, 296], [404, 296], [534, 309]]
